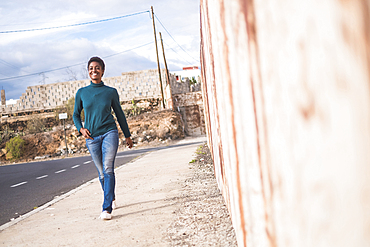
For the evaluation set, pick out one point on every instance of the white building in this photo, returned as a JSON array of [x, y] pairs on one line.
[[187, 72]]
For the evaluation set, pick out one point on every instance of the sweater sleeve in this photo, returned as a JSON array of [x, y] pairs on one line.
[[77, 110], [120, 115]]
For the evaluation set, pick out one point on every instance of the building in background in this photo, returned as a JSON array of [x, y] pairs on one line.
[[191, 73], [3, 98], [130, 85]]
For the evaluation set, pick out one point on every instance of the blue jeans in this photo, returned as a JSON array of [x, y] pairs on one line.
[[103, 150]]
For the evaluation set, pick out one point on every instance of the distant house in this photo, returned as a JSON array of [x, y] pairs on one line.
[[187, 72]]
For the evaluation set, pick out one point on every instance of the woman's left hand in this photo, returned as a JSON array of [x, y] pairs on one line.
[[129, 142]]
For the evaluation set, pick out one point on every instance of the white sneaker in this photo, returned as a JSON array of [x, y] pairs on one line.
[[105, 215], [114, 206]]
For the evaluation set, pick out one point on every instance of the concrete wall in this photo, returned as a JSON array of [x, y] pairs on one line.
[[286, 86]]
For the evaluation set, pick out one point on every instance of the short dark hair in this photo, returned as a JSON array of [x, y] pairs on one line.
[[96, 59]]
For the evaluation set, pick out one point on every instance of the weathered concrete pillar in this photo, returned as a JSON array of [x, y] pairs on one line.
[[3, 99]]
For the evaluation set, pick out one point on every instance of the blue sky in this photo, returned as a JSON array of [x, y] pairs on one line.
[[24, 53]]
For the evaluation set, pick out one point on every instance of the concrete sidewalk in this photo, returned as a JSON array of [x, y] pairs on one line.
[[145, 189]]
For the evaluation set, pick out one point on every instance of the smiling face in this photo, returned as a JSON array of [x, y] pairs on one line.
[[95, 72]]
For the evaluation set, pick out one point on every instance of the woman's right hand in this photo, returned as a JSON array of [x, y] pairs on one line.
[[86, 133]]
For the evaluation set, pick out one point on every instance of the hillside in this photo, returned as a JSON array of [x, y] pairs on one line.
[[154, 128]]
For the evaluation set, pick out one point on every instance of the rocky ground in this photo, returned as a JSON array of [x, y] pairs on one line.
[[202, 218]]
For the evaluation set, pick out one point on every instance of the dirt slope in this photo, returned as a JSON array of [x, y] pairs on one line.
[[155, 128]]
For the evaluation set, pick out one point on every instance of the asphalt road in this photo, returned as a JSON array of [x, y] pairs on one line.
[[26, 186]]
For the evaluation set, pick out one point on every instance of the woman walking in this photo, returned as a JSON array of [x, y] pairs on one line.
[[100, 129]]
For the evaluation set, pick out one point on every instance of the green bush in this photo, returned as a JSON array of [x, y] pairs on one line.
[[14, 147], [193, 81], [135, 110], [68, 108], [35, 125]]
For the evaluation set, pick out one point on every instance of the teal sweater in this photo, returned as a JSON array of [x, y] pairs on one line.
[[97, 100]]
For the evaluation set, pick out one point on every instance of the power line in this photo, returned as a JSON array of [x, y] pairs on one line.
[[66, 67], [38, 73], [129, 50], [42, 22], [11, 66], [177, 53], [175, 40], [8, 64], [73, 25]]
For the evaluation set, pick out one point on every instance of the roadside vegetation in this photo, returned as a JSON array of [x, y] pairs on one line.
[[14, 148], [68, 108], [42, 133]]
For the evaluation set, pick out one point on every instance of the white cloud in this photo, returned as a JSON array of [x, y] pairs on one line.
[[11, 102], [31, 52]]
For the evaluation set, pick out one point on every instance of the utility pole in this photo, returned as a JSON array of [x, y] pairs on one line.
[[42, 82], [167, 74], [156, 49]]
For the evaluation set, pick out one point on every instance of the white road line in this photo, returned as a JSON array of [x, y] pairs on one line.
[[127, 155], [73, 167], [87, 162], [18, 184], [42, 177], [61, 171]]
